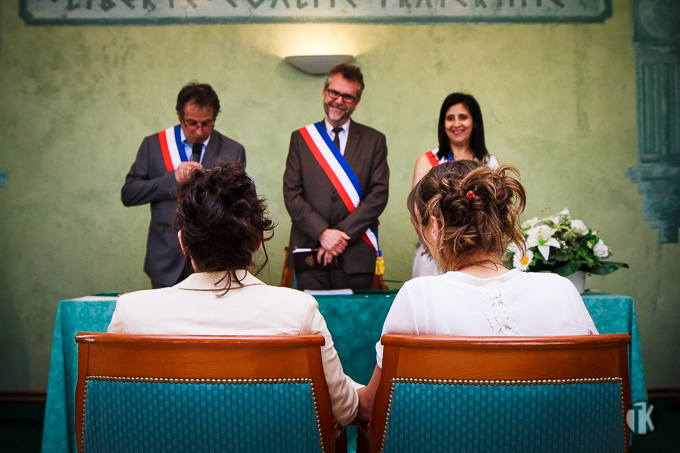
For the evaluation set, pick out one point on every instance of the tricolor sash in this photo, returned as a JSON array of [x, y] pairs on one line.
[[434, 160], [172, 147], [338, 171]]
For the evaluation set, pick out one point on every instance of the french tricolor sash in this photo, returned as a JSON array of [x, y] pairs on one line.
[[171, 144], [338, 171], [434, 160]]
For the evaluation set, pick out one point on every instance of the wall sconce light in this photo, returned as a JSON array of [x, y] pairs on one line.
[[317, 64]]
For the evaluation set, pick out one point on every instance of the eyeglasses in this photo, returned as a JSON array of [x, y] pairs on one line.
[[347, 98], [191, 124]]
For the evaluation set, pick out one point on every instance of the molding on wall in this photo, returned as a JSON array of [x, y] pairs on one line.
[[656, 40], [23, 396], [163, 12], [663, 392]]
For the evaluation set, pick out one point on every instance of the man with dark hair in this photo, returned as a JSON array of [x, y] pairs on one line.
[[167, 158], [335, 186]]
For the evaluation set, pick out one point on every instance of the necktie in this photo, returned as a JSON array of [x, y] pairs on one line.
[[336, 140], [196, 149]]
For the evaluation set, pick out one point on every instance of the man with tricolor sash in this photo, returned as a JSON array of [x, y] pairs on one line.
[[166, 158], [335, 187]]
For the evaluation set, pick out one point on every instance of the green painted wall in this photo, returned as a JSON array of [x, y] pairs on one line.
[[558, 101]]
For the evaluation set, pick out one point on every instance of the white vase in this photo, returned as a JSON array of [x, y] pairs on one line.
[[578, 278]]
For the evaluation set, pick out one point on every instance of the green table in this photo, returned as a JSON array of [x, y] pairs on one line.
[[354, 321]]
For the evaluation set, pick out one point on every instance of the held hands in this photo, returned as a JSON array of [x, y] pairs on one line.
[[365, 412], [184, 169], [333, 243]]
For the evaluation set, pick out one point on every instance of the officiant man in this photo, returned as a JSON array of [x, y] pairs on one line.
[[167, 158], [335, 186]]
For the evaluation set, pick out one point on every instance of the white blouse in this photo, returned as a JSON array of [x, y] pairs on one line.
[[514, 303]]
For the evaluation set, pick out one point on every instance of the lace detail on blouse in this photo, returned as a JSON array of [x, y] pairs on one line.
[[500, 314]]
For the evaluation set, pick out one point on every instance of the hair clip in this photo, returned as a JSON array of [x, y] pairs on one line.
[[470, 195]]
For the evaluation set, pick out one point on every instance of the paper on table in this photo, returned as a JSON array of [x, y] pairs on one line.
[[95, 298], [330, 292]]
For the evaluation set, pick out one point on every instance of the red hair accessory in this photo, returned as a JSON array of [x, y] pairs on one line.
[[470, 195]]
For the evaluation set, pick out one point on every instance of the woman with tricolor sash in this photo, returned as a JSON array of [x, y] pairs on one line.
[[461, 137]]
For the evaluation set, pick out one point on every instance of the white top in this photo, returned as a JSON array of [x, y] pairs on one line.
[[195, 307], [492, 162], [514, 303]]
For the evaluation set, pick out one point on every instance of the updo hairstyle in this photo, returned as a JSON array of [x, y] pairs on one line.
[[222, 220], [477, 210]]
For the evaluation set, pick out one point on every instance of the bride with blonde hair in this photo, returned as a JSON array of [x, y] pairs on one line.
[[466, 214]]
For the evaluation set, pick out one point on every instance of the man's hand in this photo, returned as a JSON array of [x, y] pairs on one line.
[[324, 257], [333, 241], [184, 169]]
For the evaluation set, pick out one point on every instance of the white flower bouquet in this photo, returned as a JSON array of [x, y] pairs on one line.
[[561, 245]]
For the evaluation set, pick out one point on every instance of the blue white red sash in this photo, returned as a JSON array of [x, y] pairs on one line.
[[338, 171], [488, 160], [172, 147], [434, 160]]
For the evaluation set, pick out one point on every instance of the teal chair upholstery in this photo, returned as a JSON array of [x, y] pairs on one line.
[[142, 393], [502, 394]]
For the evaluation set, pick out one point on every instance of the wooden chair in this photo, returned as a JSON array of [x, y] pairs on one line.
[[287, 273], [502, 394], [156, 393]]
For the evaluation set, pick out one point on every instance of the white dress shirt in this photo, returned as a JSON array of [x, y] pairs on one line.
[[188, 147], [342, 134]]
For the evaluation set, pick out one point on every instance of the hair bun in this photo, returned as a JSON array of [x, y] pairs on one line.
[[476, 207]]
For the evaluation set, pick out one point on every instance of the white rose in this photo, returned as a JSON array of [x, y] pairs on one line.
[[601, 250], [579, 227]]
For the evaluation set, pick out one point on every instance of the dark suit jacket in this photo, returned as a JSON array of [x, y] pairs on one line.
[[314, 204], [149, 182]]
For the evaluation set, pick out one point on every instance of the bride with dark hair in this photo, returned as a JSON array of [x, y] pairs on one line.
[[222, 223]]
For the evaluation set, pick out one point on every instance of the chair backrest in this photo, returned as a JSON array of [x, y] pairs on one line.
[[502, 394], [287, 273], [156, 393]]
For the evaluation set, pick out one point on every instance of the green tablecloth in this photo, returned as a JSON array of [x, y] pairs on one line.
[[355, 322]]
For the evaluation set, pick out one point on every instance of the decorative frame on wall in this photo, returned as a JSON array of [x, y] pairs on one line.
[[656, 40], [161, 12]]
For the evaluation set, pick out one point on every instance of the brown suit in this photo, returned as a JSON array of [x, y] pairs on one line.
[[314, 204]]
